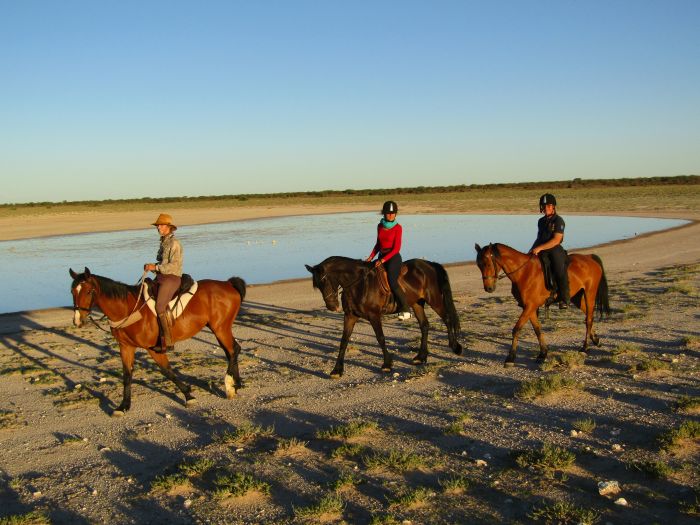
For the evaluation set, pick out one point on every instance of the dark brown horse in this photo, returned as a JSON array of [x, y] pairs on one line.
[[587, 283], [215, 305], [363, 297]]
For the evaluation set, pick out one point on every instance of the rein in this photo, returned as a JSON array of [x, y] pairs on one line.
[[505, 273], [121, 323], [343, 286]]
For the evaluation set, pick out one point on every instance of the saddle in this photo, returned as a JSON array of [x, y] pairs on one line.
[[184, 293], [383, 278]]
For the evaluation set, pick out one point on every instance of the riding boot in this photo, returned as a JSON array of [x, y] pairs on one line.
[[165, 322], [564, 294]]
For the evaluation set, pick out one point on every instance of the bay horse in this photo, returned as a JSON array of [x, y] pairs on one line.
[[215, 305], [425, 282], [587, 282]]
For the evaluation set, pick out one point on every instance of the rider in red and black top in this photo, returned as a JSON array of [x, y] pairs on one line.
[[388, 245], [550, 236]]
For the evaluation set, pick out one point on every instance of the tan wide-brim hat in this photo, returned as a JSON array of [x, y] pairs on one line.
[[164, 218]]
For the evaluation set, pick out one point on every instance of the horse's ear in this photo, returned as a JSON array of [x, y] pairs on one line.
[[87, 272], [477, 247], [309, 268], [72, 273]]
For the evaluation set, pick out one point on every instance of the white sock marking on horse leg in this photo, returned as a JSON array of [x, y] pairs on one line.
[[228, 385]]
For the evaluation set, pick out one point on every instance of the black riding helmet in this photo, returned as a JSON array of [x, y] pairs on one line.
[[547, 198], [389, 207]]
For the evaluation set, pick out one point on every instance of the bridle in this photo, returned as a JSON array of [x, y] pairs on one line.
[[498, 264], [77, 308], [339, 286]]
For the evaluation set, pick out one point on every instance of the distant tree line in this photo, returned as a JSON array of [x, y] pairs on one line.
[[459, 188]]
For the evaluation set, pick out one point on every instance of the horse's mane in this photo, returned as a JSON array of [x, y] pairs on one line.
[[109, 287]]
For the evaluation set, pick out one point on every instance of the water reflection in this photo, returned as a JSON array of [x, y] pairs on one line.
[[35, 271]]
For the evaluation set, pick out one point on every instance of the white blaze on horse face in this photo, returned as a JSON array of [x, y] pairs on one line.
[[76, 313]]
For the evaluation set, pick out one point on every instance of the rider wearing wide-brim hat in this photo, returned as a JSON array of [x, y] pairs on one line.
[[548, 245], [168, 269], [388, 246]]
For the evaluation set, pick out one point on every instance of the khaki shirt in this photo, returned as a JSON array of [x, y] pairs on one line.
[[169, 256]]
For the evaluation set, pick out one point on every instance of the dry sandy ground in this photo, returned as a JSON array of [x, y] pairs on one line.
[[435, 444]]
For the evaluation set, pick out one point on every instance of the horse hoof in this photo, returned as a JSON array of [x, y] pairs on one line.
[[419, 360], [457, 349], [231, 394], [335, 375], [118, 413], [508, 364], [191, 401]]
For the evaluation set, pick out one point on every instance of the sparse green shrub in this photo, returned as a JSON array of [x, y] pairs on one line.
[[346, 479], [417, 496], [238, 484], [547, 459], [568, 360], [245, 433], [384, 519], [626, 349], [168, 481], [656, 469], [285, 446], [687, 430], [352, 429], [563, 512], [196, 468], [586, 425], [34, 517], [455, 484], [348, 450], [650, 365], [688, 405], [394, 460], [328, 504], [546, 385]]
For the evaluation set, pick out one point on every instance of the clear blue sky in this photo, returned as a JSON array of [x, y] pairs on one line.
[[118, 99]]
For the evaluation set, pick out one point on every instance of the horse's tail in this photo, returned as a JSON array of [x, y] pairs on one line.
[[602, 302], [451, 317], [239, 285]]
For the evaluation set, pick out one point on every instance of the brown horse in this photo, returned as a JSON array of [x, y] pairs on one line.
[[363, 297], [587, 282], [215, 305]]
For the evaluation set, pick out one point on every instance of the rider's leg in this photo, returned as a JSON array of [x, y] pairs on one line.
[[393, 269], [168, 285], [559, 261]]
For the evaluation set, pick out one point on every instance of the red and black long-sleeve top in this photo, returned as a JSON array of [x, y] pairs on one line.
[[388, 241]]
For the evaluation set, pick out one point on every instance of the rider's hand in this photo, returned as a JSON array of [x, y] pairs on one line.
[[378, 263], [149, 267]]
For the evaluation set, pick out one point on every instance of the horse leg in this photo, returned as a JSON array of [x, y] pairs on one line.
[[376, 323], [348, 324], [161, 360], [422, 355], [535, 322], [127, 354], [588, 308], [232, 379], [524, 316]]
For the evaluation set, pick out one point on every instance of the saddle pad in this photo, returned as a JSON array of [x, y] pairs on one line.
[[176, 306]]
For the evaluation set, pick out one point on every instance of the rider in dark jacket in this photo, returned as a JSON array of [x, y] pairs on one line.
[[548, 245]]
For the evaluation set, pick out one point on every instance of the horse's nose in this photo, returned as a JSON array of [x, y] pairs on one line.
[[489, 288], [338, 308], [77, 321]]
